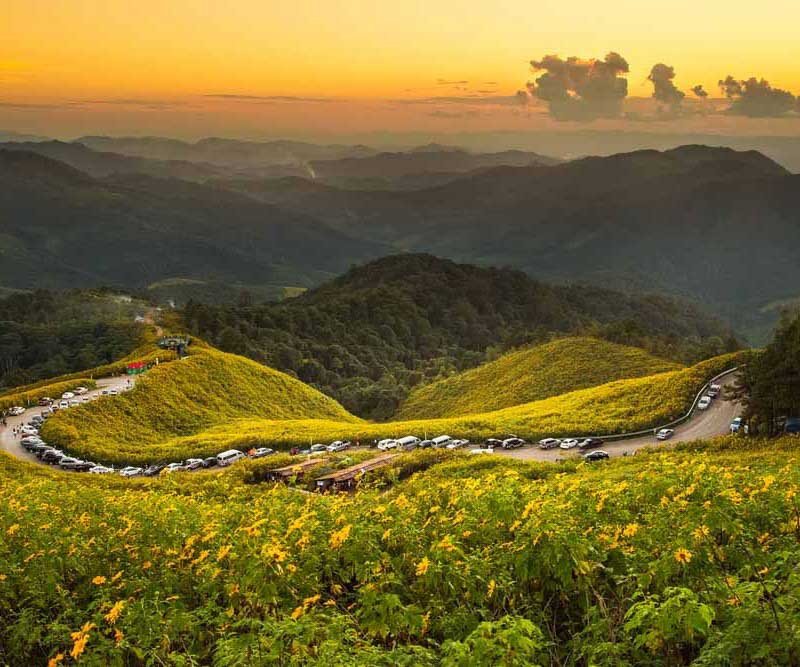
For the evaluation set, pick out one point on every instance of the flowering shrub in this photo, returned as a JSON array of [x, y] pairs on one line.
[[665, 558]]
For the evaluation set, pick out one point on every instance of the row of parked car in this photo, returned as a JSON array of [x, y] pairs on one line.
[[69, 399]]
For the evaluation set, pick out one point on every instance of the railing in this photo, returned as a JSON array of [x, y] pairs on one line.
[[674, 422]]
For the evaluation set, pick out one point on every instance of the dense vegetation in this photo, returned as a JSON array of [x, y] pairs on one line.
[[531, 374], [770, 384], [44, 334], [212, 401], [371, 335], [669, 558]]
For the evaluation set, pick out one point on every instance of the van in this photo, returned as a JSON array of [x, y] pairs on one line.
[[229, 456], [409, 442], [441, 441]]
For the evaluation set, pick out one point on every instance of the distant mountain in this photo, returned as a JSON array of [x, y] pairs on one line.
[[61, 228], [695, 221], [427, 160], [370, 335], [226, 152], [97, 163]]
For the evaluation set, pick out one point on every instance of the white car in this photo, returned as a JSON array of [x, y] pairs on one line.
[[80, 391], [386, 445], [482, 450], [193, 464], [704, 403], [737, 424], [67, 395], [101, 470], [569, 443], [16, 411], [130, 471], [113, 392], [456, 444], [549, 443], [714, 390], [665, 434], [29, 430], [74, 403], [175, 467], [338, 446], [63, 405]]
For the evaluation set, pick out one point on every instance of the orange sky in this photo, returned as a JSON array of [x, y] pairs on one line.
[[122, 66]]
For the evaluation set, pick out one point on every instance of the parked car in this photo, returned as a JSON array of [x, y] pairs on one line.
[[80, 391], [590, 443], [714, 390], [155, 469], [491, 443], [737, 425], [53, 456], [456, 444], [69, 462], [67, 395], [175, 467], [426, 444], [101, 470], [130, 471], [408, 442], [569, 443], [513, 443], [193, 464], [31, 441], [549, 443], [261, 452], [665, 434], [229, 456], [63, 405], [44, 401], [441, 441], [336, 446], [482, 450], [16, 411], [386, 445], [704, 403], [40, 446], [84, 466], [210, 462], [597, 455], [74, 403], [27, 429], [113, 392]]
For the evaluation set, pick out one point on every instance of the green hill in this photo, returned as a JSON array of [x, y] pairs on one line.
[[530, 375], [207, 388]]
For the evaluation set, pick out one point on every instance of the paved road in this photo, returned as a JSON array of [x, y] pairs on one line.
[[703, 424], [9, 443]]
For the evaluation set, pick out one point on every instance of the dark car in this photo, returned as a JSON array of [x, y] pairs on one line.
[[598, 455], [53, 456], [590, 443], [42, 451], [210, 462], [493, 443], [84, 466], [38, 447], [153, 470]]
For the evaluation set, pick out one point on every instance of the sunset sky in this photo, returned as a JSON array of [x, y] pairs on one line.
[[250, 67]]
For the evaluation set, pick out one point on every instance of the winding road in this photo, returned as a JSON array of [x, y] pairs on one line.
[[703, 424]]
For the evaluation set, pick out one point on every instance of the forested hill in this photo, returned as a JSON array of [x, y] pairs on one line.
[[370, 335]]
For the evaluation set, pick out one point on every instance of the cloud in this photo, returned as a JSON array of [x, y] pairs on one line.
[[270, 98], [442, 113], [473, 100], [445, 82], [756, 98], [664, 90], [699, 91], [21, 106], [577, 89]]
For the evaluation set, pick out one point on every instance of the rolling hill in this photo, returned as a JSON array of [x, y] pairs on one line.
[[695, 221], [370, 335], [531, 374], [60, 227]]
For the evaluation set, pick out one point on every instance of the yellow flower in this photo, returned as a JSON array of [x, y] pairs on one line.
[[683, 556], [99, 580], [312, 600], [631, 529], [223, 551], [118, 636], [422, 566], [446, 544], [297, 613], [79, 646], [13, 530], [386, 534], [339, 537], [490, 589], [113, 614], [292, 568], [203, 555], [55, 660]]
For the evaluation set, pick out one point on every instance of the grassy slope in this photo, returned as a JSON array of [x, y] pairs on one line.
[[214, 401], [214, 570], [205, 389], [531, 374]]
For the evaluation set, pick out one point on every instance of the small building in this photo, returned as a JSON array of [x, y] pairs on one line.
[[792, 426], [347, 479], [292, 470]]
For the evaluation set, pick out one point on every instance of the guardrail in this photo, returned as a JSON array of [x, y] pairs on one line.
[[674, 422]]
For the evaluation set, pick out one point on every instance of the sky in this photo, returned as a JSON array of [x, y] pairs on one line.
[[308, 67]]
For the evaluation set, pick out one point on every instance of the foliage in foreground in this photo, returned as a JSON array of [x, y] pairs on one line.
[[532, 374], [666, 558]]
